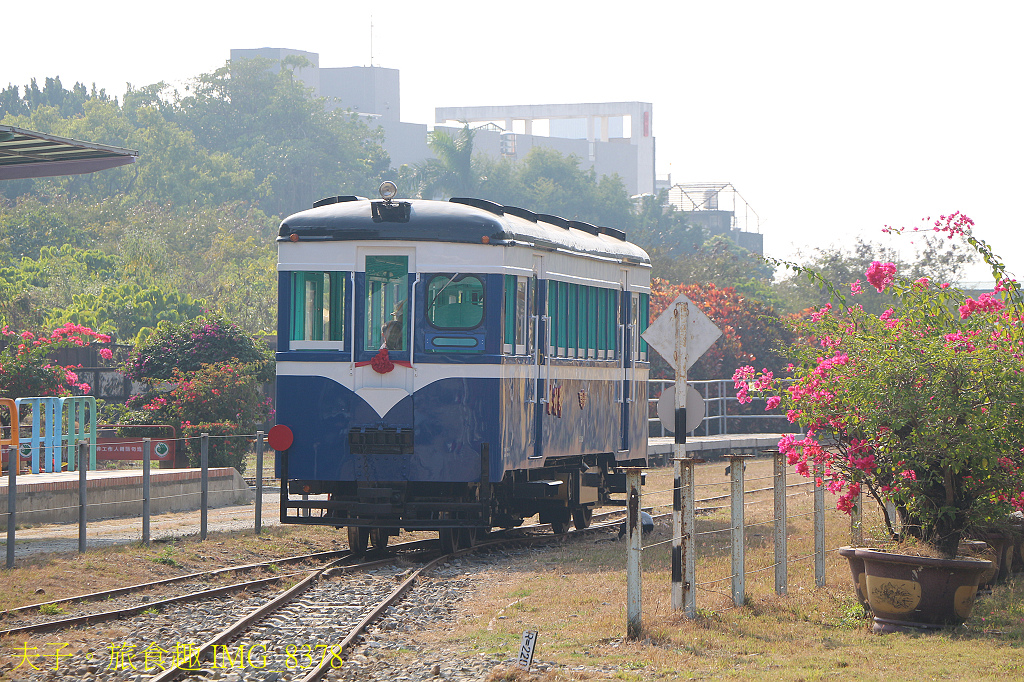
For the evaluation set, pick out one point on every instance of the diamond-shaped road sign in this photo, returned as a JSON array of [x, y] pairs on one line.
[[701, 333]]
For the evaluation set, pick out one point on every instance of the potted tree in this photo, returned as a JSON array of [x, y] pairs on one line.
[[921, 406]]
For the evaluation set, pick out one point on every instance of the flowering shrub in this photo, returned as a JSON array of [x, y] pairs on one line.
[[27, 371], [920, 405], [223, 398], [189, 345]]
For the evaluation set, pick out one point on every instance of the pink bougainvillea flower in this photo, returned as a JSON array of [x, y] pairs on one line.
[[880, 275], [856, 288], [106, 353]]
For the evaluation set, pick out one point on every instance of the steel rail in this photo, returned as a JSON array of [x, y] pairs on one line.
[[139, 608]]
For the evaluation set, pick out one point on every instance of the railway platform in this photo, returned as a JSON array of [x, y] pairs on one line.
[[53, 497], [659, 450]]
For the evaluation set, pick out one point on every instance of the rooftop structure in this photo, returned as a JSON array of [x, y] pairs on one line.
[[720, 210]]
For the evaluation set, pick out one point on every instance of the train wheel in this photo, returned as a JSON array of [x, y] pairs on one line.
[[559, 527], [467, 537], [449, 539], [378, 538], [581, 517], [357, 539]]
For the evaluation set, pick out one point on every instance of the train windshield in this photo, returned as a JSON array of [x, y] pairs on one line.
[[455, 301], [387, 290]]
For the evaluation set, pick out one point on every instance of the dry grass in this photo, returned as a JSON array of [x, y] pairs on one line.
[[574, 595]]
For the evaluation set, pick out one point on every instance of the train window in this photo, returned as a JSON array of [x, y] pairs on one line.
[[644, 321], [521, 316], [508, 314], [603, 335], [573, 342], [562, 316], [455, 301], [318, 308], [387, 292], [531, 313]]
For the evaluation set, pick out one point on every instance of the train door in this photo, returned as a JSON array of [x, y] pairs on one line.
[[625, 349], [384, 320], [537, 346]]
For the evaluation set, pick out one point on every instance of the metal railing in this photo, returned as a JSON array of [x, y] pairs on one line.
[[718, 395]]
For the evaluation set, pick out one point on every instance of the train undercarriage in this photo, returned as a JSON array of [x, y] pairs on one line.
[[561, 493]]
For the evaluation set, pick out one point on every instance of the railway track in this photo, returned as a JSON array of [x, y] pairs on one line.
[[303, 632]]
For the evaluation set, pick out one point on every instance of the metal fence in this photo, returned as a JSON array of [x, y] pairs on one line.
[[694, 571], [83, 503]]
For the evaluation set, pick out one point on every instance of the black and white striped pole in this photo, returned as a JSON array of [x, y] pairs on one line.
[[682, 532]]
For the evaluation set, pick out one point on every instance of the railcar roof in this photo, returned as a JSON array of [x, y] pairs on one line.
[[469, 221]]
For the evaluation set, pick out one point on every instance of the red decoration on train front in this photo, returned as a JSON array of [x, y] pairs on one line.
[[381, 363]]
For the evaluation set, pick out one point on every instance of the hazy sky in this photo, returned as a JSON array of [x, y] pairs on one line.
[[831, 119]]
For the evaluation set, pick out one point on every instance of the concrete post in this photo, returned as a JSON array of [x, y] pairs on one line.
[[147, 452], [259, 482], [13, 464], [819, 525], [781, 557], [634, 627], [688, 535], [204, 496], [737, 531], [83, 451]]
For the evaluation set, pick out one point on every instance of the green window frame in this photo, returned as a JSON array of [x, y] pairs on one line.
[[387, 292], [509, 313], [318, 307], [563, 317], [644, 316], [455, 301], [572, 344]]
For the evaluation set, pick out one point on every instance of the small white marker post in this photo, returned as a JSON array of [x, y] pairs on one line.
[[634, 626], [526, 649]]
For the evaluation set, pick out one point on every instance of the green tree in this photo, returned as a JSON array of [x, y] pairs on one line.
[[453, 173], [941, 261], [127, 311]]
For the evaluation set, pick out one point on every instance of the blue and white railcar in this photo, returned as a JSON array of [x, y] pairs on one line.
[[456, 366]]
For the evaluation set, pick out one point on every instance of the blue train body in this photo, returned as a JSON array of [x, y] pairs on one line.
[[456, 366]]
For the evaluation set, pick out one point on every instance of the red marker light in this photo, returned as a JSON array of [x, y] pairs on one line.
[[280, 437]]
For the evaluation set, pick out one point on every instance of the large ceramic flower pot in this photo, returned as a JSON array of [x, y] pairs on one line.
[[857, 571], [979, 549], [919, 593], [1002, 545]]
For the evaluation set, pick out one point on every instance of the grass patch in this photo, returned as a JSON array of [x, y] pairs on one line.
[[51, 609]]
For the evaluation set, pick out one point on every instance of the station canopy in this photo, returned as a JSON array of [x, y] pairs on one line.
[[28, 154]]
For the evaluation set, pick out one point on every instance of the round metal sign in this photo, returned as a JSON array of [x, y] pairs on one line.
[[694, 408], [280, 437]]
